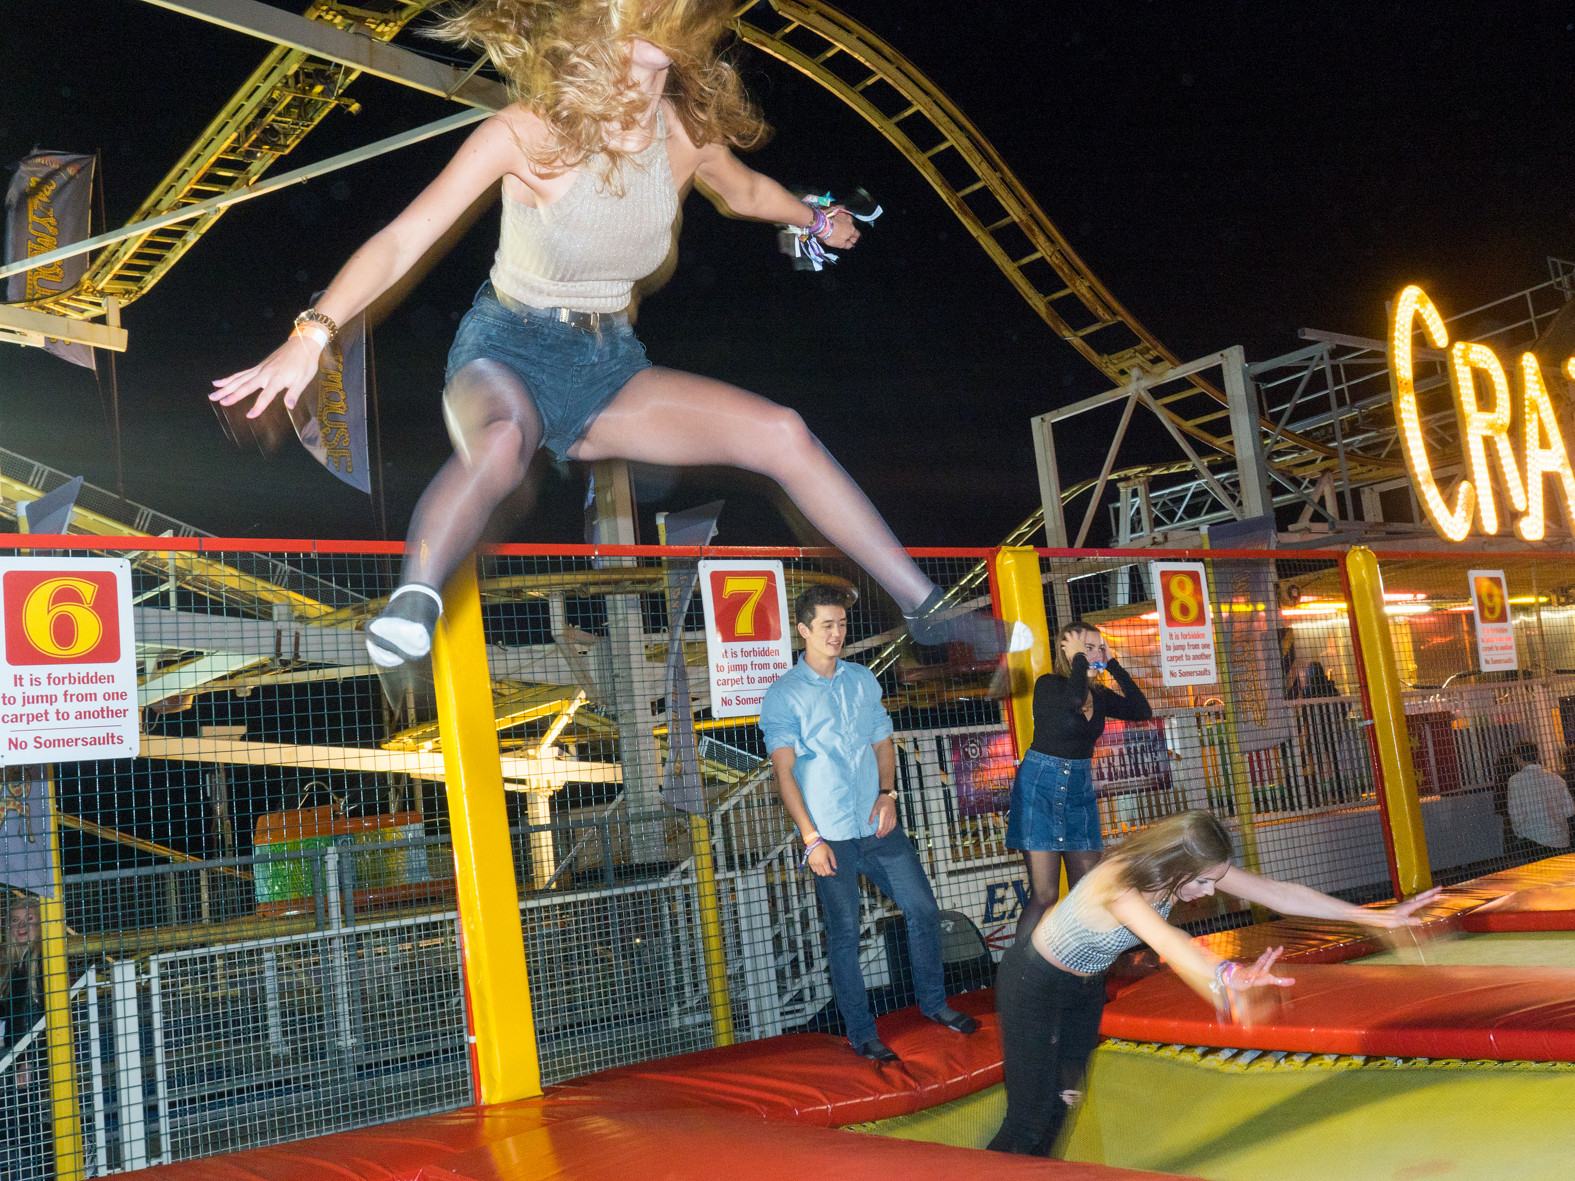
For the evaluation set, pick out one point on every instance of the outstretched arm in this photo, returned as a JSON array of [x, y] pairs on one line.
[[1289, 898], [1190, 961], [492, 150], [748, 193]]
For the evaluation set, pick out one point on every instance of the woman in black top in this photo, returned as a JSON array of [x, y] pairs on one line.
[[1054, 814]]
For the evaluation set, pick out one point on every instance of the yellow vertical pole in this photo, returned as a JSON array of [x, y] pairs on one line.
[[507, 1066], [1020, 598], [705, 886], [711, 931], [1019, 594], [69, 1161], [1391, 740]]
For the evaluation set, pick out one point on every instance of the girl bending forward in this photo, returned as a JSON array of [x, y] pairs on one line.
[[1050, 989]]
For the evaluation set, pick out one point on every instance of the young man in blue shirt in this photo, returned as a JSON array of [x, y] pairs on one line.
[[830, 743]]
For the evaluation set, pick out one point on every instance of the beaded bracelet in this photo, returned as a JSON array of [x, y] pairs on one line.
[[809, 847], [1224, 973]]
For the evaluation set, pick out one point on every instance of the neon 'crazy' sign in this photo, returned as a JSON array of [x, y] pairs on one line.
[[1475, 374]]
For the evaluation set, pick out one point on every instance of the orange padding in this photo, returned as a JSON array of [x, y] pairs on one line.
[[1319, 941], [1391, 1011], [1543, 908], [743, 1111]]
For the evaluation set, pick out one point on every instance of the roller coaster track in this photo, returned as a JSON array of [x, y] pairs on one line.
[[291, 92], [893, 97], [284, 99]]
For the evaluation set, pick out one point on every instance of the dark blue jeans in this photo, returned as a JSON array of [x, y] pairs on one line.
[[891, 863]]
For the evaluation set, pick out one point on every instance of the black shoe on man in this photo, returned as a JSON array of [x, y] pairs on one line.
[[876, 1049], [953, 1020]]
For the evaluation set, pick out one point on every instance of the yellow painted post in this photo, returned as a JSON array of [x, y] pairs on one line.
[[1019, 594], [69, 1160], [705, 886], [711, 932], [1020, 598], [1386, 709], [493, 943]]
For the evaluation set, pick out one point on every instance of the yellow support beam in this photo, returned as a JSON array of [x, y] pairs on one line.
[[69, 1159], [711, 931], [493, 944], [1021, 599], [1392, 742]]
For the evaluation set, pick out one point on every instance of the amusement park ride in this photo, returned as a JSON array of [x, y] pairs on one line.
[[1305, 429]]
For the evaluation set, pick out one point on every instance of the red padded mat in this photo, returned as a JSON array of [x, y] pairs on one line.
[[1394, 1011], [696, 1144], [742, 1111], [816, 1078], [1540, 908]]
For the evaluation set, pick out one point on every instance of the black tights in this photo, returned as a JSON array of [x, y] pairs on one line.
[[1044, 881], [1049, 1030], [661, 416]]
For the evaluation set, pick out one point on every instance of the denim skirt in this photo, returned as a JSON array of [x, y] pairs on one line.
[[1053, 805], [570, 373]]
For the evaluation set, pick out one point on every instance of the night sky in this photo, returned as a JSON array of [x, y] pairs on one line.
[[1232, 172]]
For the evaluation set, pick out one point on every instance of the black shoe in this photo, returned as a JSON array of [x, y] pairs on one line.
[[403, 632], [399, 642], [986, 637], [876, 1049], [953, 1020]]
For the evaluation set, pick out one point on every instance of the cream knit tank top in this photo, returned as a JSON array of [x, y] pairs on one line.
[[588, 248]]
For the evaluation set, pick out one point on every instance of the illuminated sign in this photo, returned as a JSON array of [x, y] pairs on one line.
[[1485, 409]]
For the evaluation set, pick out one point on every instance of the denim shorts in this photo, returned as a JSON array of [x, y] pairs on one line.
[[1053, 805], [570, 373]]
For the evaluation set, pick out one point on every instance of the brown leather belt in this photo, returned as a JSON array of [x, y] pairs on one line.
[[584, 321]]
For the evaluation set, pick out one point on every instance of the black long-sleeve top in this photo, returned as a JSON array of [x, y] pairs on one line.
[[1061, 730]]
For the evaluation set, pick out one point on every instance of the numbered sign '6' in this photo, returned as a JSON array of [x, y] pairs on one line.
[[68, 688]]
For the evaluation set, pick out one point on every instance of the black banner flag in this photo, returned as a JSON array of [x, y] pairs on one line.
[[48, 206], [330, 416]]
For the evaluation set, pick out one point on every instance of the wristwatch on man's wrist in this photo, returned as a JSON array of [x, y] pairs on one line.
[[892, 794]]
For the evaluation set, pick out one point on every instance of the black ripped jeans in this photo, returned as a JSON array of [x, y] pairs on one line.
[[1049, 1029]]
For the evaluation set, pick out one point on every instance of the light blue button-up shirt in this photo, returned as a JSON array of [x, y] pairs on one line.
[[832, 725]]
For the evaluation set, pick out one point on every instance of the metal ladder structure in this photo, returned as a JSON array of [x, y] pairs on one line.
[[287, 96]]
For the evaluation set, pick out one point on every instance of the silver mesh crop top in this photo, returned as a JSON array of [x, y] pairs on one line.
[[588, 248], [1074, 946]]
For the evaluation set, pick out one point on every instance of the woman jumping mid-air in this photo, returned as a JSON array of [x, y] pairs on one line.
[[1054, 816], [1050, 989], [620, 104]]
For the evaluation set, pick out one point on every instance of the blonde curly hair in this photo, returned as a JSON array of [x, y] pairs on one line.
[[567, 61]]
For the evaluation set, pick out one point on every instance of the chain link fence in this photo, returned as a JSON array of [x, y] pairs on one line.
[[1474, 730], [258, 918]]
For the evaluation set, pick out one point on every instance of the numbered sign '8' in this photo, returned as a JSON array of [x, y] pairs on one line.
[[1182, 598]]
